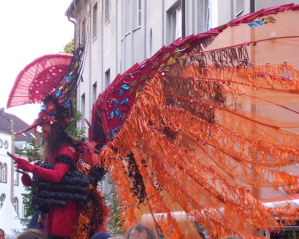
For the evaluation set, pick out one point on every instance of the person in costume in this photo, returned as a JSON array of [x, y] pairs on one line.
[[60, 151], [64, 183]]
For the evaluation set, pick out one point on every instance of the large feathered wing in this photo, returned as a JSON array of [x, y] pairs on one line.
[[204, 134]]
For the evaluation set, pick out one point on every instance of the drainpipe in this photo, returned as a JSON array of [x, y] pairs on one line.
[[74, 22], [75, 32], [183, 19], [252, 6], [68, 13]]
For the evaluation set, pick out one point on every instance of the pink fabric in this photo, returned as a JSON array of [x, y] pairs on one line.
[[39, 78]]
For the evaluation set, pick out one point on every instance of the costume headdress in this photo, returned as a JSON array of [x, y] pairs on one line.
[[50, 80]]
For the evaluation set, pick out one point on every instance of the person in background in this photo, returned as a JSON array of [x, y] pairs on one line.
[[2, 234], [101, 235], [32, 234], [140, 231]]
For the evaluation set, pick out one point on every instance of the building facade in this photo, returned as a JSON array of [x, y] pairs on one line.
[[120, 33], [10, 180]]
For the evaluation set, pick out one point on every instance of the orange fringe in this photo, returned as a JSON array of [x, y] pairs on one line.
[[209, 168]]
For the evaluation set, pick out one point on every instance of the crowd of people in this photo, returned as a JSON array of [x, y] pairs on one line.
[[139, 231]]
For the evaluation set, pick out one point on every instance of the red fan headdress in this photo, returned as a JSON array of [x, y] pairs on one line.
[[50, 80]]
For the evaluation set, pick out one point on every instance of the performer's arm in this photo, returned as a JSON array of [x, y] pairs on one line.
[[54, 176]]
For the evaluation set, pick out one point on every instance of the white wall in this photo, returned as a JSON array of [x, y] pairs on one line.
[[5, 187]]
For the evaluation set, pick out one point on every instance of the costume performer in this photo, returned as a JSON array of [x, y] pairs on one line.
[[62, 185], [58, 151], [204, 134]]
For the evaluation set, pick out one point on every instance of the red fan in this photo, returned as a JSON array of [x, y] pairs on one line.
[[205, 132], [38, 79]]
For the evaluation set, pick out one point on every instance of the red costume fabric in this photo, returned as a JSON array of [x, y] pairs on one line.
[[60, 220]]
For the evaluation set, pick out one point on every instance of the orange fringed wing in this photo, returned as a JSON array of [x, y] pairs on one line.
[[204, 135], [92, 213]]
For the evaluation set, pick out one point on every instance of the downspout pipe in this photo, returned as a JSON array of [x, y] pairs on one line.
[[183, 18], [252, 6]]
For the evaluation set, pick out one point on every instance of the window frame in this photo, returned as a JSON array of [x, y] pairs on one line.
[[1, 165], [94, 21], [16, 177], [6, 144], [4, 173], [174, 22], [238, 9], [107, 79], [138, 14], [2, 199], [107, 11], [16, 205]]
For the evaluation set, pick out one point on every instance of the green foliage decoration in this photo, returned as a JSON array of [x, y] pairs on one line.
[[69, 48], [32, 153], [115, 227]]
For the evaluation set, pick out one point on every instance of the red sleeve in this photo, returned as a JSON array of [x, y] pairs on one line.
[[60, 168], [52, 175]]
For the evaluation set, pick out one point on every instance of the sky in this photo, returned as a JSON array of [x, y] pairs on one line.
[[29, 29]]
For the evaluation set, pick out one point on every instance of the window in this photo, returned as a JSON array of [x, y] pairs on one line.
[[0, 172], [5, 144], [3, 173], [138, 13], [107, 10], [25, 200], [24, 210], [211, 16], [107, 79], [151, 42], [2, 198], [82, 31], [16, 205], [94, 21], [239, 7], [174, 17], [1, 143], [94, 92], [126, 17], [16, 177]]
